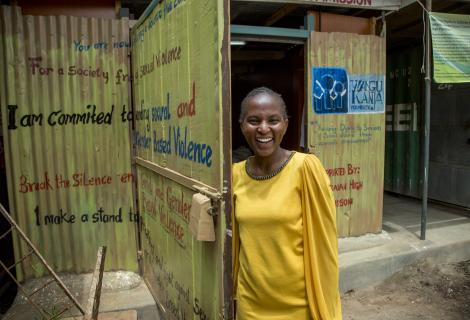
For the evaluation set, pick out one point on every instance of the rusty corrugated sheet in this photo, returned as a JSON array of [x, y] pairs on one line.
[[52, 66]]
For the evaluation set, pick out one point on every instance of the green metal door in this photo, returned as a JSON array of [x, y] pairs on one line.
[[402, 140]]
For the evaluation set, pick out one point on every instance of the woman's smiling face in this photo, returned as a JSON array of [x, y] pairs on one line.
[[264, 124]]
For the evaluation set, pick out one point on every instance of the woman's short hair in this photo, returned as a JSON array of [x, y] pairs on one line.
[[258, 91]]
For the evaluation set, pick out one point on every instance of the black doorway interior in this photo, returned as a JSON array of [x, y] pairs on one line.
[[278, 66], [7, 285]]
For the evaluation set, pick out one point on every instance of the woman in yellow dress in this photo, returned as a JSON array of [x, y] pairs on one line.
[[284, 232]]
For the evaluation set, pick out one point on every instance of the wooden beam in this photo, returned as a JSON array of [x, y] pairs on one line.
[[373, 22], [236, 11], [117, 8], [93, 306], [188, 182], [281, 13]]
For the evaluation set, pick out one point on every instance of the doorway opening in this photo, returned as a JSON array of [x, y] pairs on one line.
[[278, 66]]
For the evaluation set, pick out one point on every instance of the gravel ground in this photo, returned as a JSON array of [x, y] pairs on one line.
[[420, 291]]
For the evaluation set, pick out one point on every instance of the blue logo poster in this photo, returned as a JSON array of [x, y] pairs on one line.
[[330, 90]]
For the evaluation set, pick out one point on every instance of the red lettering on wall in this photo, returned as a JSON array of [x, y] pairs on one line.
[[188, 109]]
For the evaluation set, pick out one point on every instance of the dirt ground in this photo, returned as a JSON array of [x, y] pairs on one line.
[[421, 291]]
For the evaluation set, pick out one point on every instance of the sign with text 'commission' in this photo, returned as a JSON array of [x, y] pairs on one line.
[[363, 4], [64, 99], [176, 59], [347, 124]]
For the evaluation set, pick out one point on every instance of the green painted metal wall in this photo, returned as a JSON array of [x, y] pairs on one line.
[[177, 91], [402, 142], [63, 96]]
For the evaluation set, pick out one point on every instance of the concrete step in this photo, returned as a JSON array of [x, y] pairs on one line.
[[370, 259]]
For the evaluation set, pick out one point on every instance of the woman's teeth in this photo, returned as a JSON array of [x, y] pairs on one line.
[[264, 140]]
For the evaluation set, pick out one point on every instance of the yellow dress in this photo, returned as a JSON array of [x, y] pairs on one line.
[[285, 247]]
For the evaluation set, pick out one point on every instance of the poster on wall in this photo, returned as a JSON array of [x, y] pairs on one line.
[[336, 91], [177, 92], [450, 47], [65, 120], [346, 125]]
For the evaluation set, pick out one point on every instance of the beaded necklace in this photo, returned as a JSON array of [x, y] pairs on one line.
[[270, 175]]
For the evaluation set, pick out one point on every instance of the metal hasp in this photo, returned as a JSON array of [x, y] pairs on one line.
[[427, 122]]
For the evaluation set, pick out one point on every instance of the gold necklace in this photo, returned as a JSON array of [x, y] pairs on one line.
[[270, 175]]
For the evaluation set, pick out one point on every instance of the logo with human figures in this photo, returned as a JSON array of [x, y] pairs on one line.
[[330, 90], [336, 92]]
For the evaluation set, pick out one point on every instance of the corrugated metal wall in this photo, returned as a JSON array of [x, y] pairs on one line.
[[177, 66], [449, 154], [404, 114], [449, 167], [351, 144], [64, 102]]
